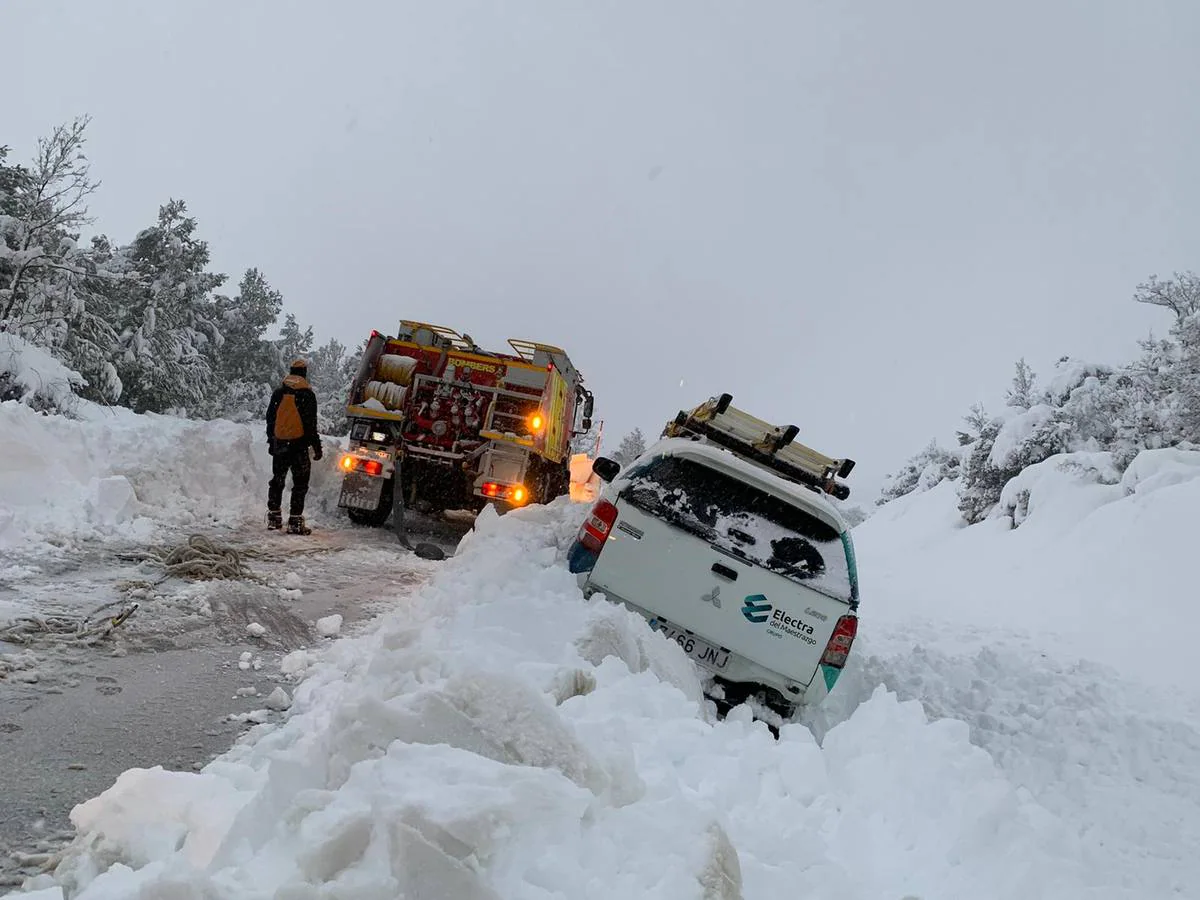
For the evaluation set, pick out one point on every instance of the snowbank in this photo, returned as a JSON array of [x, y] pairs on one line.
[[1066, 643], [498, 736], [116, 473], [1095, 567]]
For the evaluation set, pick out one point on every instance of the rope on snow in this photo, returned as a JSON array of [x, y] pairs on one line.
[[202, 559], [84, 629]]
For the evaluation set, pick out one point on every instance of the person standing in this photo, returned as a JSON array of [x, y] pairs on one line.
[[291, 431]]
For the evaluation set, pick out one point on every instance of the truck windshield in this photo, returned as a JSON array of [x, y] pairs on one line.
[[743, 520]]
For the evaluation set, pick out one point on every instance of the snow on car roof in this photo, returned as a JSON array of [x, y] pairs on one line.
[[720, 458]]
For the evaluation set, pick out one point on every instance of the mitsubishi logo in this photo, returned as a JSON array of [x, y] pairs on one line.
[[713, 597], [756, 609]]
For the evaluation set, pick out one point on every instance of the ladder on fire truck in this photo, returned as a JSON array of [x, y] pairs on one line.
[[772, 446]]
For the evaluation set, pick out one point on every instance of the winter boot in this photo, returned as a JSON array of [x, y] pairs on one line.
[[296, 525], [274, 519]]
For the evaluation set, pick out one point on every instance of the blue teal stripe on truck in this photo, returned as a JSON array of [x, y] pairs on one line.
[[851, 564]]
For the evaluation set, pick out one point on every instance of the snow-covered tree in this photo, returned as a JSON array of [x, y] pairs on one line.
[[247, 364], [1180, 294], [631, 447], [168, 321], [1022, 392], [293, 343], [331, 369], [928, 468], [42, 210], [50, 286]]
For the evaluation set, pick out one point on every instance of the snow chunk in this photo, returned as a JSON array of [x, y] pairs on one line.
[[115, 501], [294, 663], [254, 629], [329, 626], [291, 581], [278, 699], [619, 632]]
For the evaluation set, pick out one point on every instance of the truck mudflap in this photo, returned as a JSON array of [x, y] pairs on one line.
[[361, 491]]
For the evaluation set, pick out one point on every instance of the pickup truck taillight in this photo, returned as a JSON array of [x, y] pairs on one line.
[[838, 648], [597, 526]]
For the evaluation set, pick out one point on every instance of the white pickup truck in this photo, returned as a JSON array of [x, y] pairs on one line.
[[722, 537]]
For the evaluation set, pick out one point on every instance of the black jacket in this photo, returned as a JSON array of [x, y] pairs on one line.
[[306, 405]]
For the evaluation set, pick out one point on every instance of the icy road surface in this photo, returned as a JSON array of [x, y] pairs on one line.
[[170, 686]]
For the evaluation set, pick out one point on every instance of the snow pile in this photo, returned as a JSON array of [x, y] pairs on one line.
[[499, 737], [119, 473], [1066, 643], [30, 375], [1095, 566]]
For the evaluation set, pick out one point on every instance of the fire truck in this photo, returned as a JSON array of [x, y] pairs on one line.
[[438, 424]]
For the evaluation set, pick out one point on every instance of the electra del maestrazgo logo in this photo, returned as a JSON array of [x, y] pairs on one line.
[[756, 609]]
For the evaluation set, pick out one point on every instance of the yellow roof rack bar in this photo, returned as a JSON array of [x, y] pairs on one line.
[[526, 349], [449, 334]]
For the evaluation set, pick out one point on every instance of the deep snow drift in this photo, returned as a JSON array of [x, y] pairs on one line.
[[500, 737], [999, 732], [1065, 643]]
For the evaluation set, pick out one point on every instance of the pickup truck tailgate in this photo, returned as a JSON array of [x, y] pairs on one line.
[[727, 600]]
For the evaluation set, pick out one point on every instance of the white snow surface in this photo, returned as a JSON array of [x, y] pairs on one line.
[[114, 473], [1018, 720], [496, 736]]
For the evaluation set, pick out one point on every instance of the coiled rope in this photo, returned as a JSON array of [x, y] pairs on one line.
[[202, 559]]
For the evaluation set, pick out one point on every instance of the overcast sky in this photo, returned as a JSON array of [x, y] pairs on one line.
[[852, 216]]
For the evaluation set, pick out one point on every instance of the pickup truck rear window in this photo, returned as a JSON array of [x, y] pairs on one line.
[[743, 520]]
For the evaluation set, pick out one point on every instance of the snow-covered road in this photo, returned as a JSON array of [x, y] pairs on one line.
[[170, 686], [492, 735]]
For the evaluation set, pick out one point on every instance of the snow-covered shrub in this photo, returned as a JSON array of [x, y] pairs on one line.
[[30, 375], [1007, 445], [928, 468]]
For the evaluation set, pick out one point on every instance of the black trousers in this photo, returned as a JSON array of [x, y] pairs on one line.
[[289, 458]]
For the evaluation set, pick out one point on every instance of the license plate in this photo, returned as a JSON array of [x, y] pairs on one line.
[[698, 649]]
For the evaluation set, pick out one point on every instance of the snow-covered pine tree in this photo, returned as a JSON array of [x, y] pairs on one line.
[[168, 324], [292, 342], [331, 369], [1022, 393], [247, 364], [631, 447]]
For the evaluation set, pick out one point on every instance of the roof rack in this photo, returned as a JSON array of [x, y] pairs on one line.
[[769, 445], [449, 336]]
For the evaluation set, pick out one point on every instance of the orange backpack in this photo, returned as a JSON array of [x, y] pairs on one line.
[[288, 426]]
